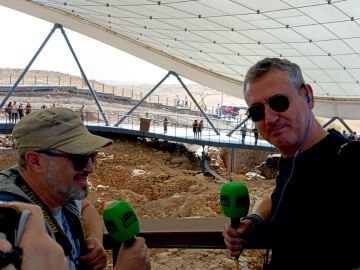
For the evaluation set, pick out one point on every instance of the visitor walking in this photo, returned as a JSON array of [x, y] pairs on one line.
[[28, 108], [195, 126], [177, 101], [199, 129], [166, 121], [81, 113], [243, 134], [256, 135], [21, 111], [14, 113], [8, 111]]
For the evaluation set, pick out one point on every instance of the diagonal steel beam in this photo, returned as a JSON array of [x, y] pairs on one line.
[[28, 66], [142, 100], [83, 75], [329, 122], [344, 124]]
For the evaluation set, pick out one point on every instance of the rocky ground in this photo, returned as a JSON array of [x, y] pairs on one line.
[[162, 180]]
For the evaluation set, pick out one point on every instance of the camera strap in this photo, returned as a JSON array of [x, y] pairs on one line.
[[60, 236]]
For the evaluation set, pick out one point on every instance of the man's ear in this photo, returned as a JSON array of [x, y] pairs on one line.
[[309, 93], [34, 161]]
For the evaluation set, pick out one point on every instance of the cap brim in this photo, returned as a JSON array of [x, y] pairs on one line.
[[84, 144]]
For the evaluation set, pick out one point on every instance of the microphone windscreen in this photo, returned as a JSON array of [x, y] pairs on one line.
[[234, 200], [121, 221]]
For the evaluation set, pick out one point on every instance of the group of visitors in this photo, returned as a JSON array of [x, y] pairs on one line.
[[13, 112], [186, 101], [197, 128], [352, 136]]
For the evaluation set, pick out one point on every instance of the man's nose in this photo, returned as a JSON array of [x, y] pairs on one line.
[[271, 116], [89, 166]]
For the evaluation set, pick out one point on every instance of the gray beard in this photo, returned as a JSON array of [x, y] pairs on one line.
[[68, 192]]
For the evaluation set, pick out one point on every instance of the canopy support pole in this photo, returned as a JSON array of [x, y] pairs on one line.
[[84, 76], [142, 100], [28, 66], [340, 120]]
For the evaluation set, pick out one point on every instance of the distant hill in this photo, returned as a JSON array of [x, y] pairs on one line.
[[201, 93]]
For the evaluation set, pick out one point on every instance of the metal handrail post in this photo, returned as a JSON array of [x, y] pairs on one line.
[[239, 125], [28, 66], [142, 100], [84, 76], [203, 169], [191, 96]]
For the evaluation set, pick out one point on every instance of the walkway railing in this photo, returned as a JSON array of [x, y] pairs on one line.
[[179, 126]]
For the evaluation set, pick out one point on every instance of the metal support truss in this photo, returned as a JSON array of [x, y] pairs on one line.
[[83, 75], [28, 67], [340, 120], [143, 99], [156, 86], [197, 104], [56, 26]]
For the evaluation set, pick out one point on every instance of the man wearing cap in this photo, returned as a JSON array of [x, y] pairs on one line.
[[56, 153]]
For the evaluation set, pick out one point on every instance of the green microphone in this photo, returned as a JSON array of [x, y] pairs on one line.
[[121, 222], [234, 201]]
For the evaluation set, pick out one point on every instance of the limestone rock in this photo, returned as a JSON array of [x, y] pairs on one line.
[[269, 167], [229, 264], [254, 176]]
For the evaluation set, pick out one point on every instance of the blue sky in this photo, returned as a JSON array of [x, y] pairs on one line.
[[21, 36]]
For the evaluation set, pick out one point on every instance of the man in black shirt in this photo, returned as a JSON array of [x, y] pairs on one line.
[[310, 221]]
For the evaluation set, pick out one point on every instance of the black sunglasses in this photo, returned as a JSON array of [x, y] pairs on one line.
[[79, 160], [278, 103]]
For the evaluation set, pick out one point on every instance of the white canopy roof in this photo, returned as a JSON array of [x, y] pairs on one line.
[[214, 42]]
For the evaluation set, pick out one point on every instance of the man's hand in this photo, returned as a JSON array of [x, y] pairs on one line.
[[237, 240], [40, 251], [96, 256], [5, 246], [135, 257]]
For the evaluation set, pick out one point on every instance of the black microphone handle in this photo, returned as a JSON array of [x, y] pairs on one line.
[[128, 243], [235, 222]]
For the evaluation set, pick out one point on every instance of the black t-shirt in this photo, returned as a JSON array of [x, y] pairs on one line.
[[317, 224]]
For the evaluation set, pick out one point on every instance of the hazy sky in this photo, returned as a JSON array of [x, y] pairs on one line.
[[21, 36]]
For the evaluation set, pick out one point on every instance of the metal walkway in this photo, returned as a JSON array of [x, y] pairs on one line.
[[175, 132]]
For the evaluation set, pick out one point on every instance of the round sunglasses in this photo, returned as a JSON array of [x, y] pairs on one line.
[[79, 160], [278, 103]]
